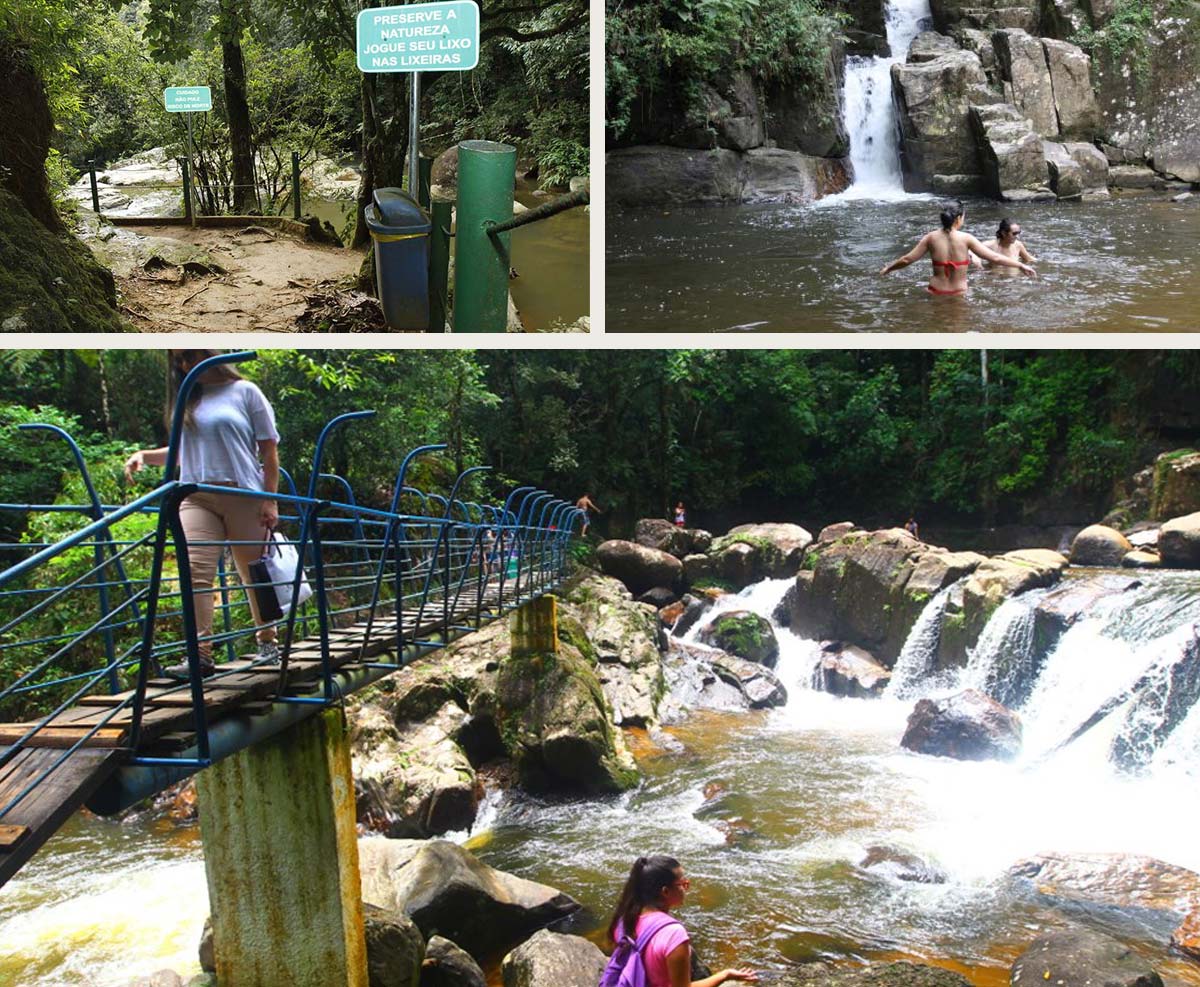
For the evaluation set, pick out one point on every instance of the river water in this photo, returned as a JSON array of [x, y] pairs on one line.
[[1128, 264], [804, 791]]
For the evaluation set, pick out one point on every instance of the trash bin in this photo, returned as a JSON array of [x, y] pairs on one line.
[[400, 231]]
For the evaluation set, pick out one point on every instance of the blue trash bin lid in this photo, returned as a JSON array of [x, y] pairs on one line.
[[398, 213]]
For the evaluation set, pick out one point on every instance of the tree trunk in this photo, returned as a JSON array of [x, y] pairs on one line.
[[25, 136], [384, 141], [236, 107]]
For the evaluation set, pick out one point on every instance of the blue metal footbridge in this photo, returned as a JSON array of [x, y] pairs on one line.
[[88, 621]]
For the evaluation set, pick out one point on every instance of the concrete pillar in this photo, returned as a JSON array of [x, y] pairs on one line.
[[281, 855], [534, 627]]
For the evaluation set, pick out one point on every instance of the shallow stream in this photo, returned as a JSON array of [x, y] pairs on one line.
[[795, 796], [1128, 264]]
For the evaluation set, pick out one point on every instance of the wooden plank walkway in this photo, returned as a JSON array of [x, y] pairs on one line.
[[101, 724]]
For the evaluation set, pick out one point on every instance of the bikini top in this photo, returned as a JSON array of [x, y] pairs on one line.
[[952, 263]]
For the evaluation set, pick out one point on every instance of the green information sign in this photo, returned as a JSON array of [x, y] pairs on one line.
[[188, 99], [420, 37]]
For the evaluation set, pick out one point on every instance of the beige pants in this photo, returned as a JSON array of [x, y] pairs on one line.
[[214, 519]]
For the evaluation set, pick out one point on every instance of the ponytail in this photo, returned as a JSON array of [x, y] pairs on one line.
[[951, 212], [647, 878], [1004, 228]]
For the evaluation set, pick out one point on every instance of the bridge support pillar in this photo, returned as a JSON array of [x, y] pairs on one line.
[[534, 627], [281, 855]]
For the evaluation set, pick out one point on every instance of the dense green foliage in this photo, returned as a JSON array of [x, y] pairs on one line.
[[661, 51], [106, 62], [754, 434]]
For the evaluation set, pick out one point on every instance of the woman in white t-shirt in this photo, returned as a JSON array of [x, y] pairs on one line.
[[656, 885], [228, 440]]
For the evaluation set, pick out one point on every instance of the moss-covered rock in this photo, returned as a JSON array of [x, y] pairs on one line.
[[49, 282], [1176, 484], [744, 634], [557, 726]]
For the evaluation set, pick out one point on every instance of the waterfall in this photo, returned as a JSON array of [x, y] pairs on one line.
[[867, 106], [918, 657], [1003, 658]]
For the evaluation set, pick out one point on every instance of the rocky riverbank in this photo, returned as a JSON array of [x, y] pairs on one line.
[[1018, 101]]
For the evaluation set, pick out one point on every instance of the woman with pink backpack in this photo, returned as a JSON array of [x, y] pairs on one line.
[[656, 950]]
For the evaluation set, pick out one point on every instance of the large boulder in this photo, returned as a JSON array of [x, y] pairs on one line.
[[556, 724], [1110, 881], [745, 635], [731, 113], [1149, 101], [656, 175], [663, 536], [447, 891], [1010, 151], [968, 726], [845, 670], [411, 779], [933, 100], [1176, 484], [638, 567], [1098, 544], [757, 683], [1003, 577], [1026, 78], [774, 174], [983, 14], [928, 45], [552, 960], [1066, 176], [624, 638], [1093, 165], [1179, 542], [780, 547], [1075, 103], [1081, 957], [809, 119], [395, 947], [446, 965]]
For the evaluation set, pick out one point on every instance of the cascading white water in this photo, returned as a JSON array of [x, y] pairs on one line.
[[868, 110], [910, 674], [1004, 649]]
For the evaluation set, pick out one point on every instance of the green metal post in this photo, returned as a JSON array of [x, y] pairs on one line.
[[187, 193], [95, 190], [295, 185], [426, 168], [487, 173], [439, 263]]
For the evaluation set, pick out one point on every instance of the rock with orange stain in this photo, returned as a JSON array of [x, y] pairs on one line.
[[669, 614], [1187, 937], [1112, 880], [1079, 958], [902, 974]]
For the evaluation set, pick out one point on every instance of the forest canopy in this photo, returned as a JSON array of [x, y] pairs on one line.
[[810, 436]]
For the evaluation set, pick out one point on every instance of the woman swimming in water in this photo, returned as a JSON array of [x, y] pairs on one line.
[[950, 249], [1008, 242]]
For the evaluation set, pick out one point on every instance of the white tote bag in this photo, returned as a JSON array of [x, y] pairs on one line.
[[281, 561]]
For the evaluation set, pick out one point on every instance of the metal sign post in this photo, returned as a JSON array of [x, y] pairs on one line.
[[188, 100], [419, 36]]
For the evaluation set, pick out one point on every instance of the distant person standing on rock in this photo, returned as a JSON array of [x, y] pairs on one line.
[[680, 515], [912, 527], [586, 504]]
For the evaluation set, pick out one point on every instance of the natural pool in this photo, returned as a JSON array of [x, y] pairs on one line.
[[1127, 264]]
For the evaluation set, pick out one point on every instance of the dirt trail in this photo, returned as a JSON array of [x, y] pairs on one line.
[[271, 281]]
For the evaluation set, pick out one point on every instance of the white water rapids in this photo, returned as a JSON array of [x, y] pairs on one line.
[[802, 791]]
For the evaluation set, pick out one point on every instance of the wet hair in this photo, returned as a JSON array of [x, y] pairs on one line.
[[220, 374], [1005, 227], [643, 887], [950, 212]]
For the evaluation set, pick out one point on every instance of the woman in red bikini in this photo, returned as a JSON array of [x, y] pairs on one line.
[[950, 250]]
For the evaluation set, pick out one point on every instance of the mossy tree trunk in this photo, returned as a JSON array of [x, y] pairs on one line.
[[25, 136]]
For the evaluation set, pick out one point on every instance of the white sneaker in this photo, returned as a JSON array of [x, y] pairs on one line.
[[268, 652]]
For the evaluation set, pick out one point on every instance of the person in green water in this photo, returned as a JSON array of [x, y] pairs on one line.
[[950, 250]]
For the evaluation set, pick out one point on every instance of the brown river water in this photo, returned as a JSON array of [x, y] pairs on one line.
[[1128, 264], [801, 792]]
